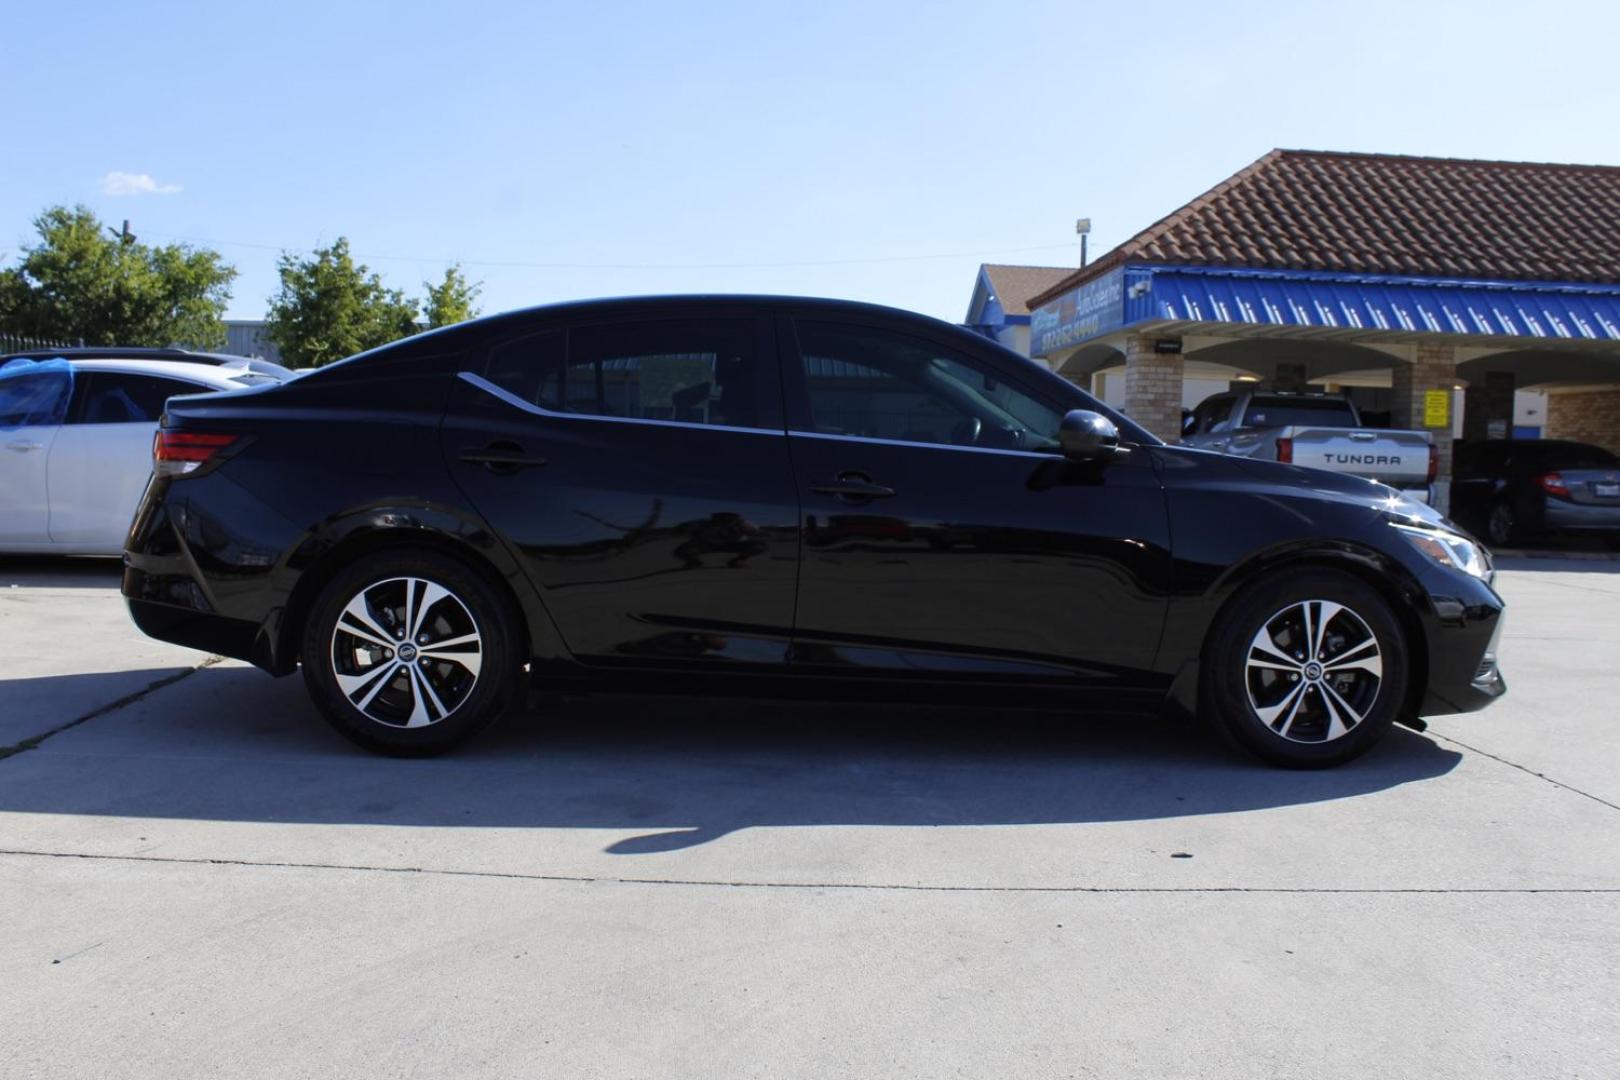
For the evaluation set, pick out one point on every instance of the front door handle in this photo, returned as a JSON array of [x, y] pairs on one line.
[[853, 487], [501, 457], [23, 446]]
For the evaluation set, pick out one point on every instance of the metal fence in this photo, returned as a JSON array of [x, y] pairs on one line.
[[11, 343]]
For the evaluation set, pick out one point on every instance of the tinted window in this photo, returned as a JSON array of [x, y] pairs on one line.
[[33, 399], [1283, 412], [1484, 457], [883, 385], [1219, 410], [112, 397], [699, 371]]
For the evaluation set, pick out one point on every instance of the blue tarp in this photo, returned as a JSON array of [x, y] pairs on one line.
[[34, 393]]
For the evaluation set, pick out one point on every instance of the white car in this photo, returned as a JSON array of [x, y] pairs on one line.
[[76, 445]]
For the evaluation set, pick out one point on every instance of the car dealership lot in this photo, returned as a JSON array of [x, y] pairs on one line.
[[205, 880]]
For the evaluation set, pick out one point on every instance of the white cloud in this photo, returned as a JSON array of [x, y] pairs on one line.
[[129, 183]]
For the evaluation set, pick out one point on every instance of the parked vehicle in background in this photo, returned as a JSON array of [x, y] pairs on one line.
[[76, 444], [182, 356], [1515, 489], [777, 495], [1319, 431]]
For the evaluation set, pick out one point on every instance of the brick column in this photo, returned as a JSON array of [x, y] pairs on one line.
[[1590, 416], [1435, 369], [1153, 385]]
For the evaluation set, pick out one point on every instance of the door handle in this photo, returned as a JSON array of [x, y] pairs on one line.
[[23, 446], [853, 487], [501, 457]]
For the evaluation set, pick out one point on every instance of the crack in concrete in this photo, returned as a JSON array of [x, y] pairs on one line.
[[582, 879], [102, 710], [1524, 769]]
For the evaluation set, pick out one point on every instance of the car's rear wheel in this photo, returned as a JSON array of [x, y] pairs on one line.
[[1308, 669], [410, 652]]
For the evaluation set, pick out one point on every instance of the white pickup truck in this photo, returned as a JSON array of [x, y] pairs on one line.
[[1322, 431]]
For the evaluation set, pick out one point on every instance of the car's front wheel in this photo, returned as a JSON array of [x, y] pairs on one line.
[[1502, 527], [1307, 669], [410, 652]]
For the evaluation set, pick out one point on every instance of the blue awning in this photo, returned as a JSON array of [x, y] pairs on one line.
[[1358, 305], [1323, 305]]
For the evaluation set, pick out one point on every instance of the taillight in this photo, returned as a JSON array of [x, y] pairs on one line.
[[1285, 451], [175, 453], [1553, 484], [1434, 462]]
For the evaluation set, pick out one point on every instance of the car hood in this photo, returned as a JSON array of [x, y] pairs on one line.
[[1299, 482]]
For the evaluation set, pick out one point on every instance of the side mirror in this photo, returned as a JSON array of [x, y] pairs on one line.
[[1089, 436]]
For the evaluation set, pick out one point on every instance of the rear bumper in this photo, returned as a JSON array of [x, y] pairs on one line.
[[235, 638], [197, 578], [1575, 516]]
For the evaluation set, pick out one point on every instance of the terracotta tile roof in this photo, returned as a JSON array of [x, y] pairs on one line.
[[1386, 214], [1012, 285]]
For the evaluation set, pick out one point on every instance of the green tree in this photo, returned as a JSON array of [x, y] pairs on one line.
[[453, 300], [79, 282], [329, 307]]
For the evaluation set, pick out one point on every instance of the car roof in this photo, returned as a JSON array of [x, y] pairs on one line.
[[223, 378], [133, 352]]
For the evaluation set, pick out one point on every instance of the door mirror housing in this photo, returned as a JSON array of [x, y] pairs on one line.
[[1089, 436]]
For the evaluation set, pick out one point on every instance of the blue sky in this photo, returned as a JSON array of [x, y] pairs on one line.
[[871, 150]]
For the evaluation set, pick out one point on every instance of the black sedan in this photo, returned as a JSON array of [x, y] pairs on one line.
[[1513, 490], [784, 496]]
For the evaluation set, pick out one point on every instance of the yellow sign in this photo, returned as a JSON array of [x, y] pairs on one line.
[[1437, 408]]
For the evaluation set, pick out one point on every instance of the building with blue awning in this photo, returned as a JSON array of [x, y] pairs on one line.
[[1405, 276]]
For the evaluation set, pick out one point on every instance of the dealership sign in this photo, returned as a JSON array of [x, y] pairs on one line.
[[1094, 308]]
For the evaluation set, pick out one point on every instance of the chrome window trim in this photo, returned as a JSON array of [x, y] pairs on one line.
[[516, 402], [1037, 454]]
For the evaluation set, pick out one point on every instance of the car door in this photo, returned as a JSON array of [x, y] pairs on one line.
[[103, 456], [943, 532], [32, 405], [639, 469]]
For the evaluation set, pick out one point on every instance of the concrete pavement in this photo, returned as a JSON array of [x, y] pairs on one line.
[[204, 881]]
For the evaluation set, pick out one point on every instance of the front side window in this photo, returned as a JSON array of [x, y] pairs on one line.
[[880, 384], [698, 371], [37, 398]]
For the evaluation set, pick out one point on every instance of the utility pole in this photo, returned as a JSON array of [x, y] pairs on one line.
[[1082, 226], [123, 236]]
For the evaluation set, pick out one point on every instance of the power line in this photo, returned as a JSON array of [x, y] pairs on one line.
[[506, 264]]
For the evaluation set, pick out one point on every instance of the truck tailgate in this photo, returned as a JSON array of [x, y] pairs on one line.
[[1398, 458]]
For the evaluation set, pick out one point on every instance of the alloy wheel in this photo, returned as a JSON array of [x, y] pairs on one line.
[[1313, 671], [406, 652]]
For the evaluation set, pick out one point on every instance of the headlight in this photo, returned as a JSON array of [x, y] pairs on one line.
[[1448, 549]]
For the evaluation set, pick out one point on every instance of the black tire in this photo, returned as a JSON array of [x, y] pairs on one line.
[[1502, 526], [467, 686], [1240, 679]]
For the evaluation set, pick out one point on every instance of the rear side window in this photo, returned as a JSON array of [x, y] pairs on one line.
[[695, 371], [1285, 412], [111, 397]]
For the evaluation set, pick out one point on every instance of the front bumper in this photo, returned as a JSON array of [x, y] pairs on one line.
[[1463, 627]]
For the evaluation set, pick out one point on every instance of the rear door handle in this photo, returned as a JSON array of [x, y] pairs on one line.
[[855, 487], [501, 457], [23, 446]]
